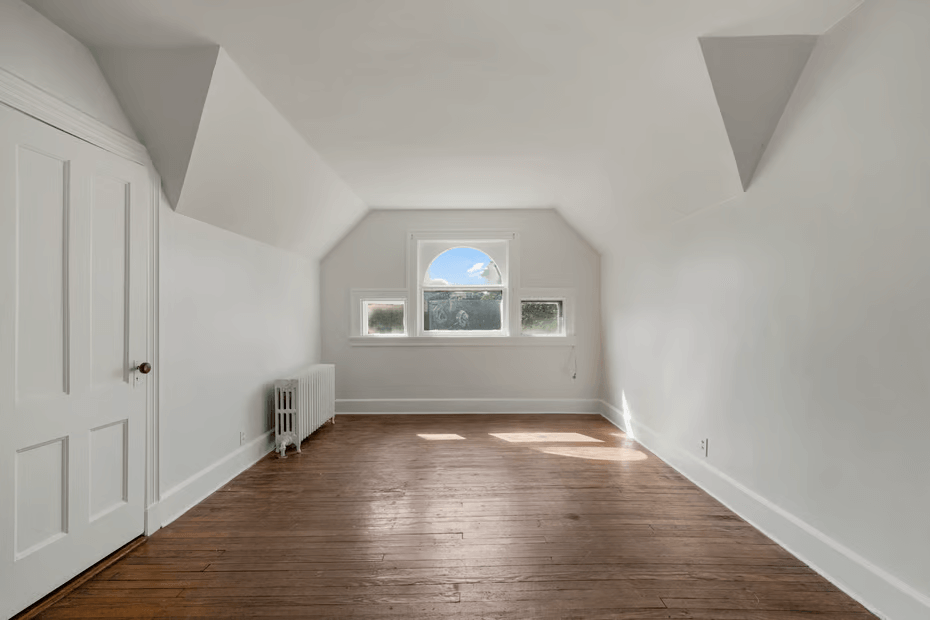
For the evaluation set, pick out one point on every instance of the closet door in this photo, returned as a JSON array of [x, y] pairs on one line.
[[73, 324]]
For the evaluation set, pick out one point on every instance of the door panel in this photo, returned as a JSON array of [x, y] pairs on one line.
[[41, 509], [73, 299], [42, 214], [109, 356], [109, 468]]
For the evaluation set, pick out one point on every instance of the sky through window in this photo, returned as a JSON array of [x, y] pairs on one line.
[[462, 266]]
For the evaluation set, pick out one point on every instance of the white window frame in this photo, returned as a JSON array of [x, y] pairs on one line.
[[510, 333], [425, 247], [565, 295], [358, 327]]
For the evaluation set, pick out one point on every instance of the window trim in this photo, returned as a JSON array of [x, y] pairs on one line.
[[425, 246], [478, 341]]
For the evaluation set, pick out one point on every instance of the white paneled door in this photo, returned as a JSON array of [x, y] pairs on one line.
[[73, 299]]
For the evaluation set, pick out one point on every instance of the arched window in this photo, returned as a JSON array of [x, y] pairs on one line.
[[463, 289], [462, 267]]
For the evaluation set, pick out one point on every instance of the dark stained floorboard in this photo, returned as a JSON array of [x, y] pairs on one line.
[[374, 521]]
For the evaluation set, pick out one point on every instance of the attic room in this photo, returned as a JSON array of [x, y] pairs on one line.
[[464, 309]]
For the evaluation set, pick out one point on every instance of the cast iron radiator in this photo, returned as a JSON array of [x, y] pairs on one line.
[[302, 404]]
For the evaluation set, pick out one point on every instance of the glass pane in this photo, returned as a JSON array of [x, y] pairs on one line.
[[385, 317], [462, 310], [462, 266], [541, 318]]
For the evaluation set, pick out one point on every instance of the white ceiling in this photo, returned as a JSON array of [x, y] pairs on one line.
[[601, 108]]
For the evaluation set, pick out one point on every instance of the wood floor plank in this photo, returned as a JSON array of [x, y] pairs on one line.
[[373, 521]]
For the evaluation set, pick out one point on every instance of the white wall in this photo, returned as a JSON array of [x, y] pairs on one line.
[[373, 255], [44, 55], [235, 314], [789, 326], [238, 312]]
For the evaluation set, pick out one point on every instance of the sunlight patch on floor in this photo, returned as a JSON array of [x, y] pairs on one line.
[[544, 437], [597, 454], [439, 436]]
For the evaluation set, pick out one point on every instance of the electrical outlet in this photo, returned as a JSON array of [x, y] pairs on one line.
[[241, 438], [704, 446]]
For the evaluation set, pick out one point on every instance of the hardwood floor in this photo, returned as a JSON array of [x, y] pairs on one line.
[[375, 521]]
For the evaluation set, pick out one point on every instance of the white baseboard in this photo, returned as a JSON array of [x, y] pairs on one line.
[[882, 593], [467, 405], [184, 496]]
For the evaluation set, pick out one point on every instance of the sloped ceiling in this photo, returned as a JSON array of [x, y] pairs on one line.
[[753, 79], [163, 92], [225, 154], [604, 109]]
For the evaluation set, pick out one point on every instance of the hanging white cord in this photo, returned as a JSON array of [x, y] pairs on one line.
[[573, 362]]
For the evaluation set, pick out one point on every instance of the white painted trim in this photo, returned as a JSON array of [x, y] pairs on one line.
[[39, 104], [879, 591], [616, 417], [348, 406], [152, 429], [462, 341], [184, 496], [418, 261]]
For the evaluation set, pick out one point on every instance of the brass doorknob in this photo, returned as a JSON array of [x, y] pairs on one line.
[[145, 368]]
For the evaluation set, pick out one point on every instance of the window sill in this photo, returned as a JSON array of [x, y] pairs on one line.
[[464, 341]]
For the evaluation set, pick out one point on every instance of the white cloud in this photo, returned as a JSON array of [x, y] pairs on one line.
[[476, 270], [436, 282]]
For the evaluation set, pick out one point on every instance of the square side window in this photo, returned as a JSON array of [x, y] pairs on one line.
[[383, 318], [542, 317]]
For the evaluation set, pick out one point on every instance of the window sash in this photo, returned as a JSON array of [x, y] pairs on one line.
[[385, 302], [470, 287], [501, 331], [425, 247], [561, 329]]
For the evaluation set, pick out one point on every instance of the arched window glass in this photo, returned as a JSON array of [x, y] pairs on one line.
[[462, 266]]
